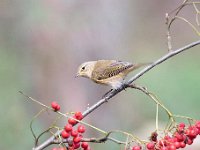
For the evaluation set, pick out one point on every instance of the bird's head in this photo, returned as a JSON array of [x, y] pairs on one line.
[[85, 69]]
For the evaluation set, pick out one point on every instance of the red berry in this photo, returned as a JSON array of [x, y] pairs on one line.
[[177, 144], [65, 134], [78, 115], [55, 106], [84, 145], [192, 133], [163, 142], [136, 148], [54, 148], [68, 127], [154, 136], [197, 124], [167, 137], [189, 141], [81, 129], [58, 108], [182, 125], [182, 144], [76, 145], [197, 130], [172, 140], [77, 139], [150, 145], [72, 121], [172, 147], [74, 133], [179, 137]]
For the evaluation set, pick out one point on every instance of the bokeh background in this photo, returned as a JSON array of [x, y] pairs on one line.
[[42, 42]]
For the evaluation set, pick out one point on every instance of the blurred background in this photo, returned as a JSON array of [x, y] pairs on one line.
[[43, 42]]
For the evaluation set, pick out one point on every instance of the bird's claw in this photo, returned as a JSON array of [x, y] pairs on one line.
[[124, 86], [106, 94]]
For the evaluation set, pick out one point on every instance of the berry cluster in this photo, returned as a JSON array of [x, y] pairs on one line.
[[55, 106], [181, 137], [74, 136]]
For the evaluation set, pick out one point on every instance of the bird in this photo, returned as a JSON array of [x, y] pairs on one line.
[[107, 72]]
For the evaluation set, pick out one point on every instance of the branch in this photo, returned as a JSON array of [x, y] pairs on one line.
[[115, 92], [92, 140], [162, 59]]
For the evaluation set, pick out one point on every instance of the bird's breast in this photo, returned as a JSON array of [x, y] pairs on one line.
[[115, 82]]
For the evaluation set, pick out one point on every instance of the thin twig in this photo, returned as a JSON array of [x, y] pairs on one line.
[[127, 142], [47, 130], [154, 98], [197, 14], [41, 104], [183, 117], [190, 24], [31, 125], [170, 21]]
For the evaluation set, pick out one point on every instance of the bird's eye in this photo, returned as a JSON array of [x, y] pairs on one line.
[[83, 68]]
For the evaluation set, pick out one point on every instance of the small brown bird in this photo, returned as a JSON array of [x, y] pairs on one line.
[[107, 72]]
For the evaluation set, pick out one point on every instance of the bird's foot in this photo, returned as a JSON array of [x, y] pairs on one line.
[[124, 86], [106, 94]]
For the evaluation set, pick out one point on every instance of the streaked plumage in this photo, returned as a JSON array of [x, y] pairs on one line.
[[108, 72]]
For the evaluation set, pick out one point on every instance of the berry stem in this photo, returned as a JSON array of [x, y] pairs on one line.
[[129, 135], [157, 112], [184, 117], [154, 98]]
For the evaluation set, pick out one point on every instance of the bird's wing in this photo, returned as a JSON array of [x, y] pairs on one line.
[[107, 69]]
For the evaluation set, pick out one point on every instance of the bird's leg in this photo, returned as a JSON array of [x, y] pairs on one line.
[[134, 86], [129, 85], [107, 93], [124, 86]]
